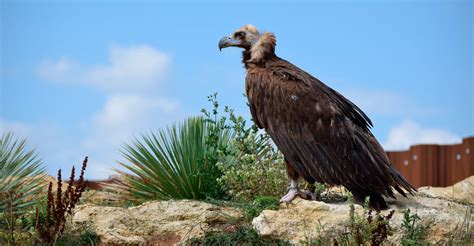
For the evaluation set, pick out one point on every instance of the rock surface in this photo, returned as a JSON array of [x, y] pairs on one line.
[[305, 221], [462, 191], [155, 223], [173, 222]]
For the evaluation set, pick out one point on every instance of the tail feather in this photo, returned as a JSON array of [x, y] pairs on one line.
[[401, 181]]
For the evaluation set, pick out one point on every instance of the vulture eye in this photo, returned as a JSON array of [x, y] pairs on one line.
[[239, 34]]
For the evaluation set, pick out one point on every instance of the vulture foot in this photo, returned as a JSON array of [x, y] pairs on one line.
[[294, 192]]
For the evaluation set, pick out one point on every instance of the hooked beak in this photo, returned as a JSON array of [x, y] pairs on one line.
[[228, 41]]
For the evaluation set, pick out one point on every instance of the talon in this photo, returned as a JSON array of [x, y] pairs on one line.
[[292, 193]]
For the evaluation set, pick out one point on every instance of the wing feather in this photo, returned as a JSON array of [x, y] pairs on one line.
[[323, 135]]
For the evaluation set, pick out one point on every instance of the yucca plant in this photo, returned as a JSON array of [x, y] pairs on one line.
[[21, 174], [177, 162]]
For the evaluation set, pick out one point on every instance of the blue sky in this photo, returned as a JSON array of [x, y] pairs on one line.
[[82, 77]]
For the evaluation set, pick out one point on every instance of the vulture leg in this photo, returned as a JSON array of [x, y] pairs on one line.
[[293, 190], [376, 201]]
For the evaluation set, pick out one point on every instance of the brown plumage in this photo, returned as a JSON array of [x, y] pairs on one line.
[[323, 136]]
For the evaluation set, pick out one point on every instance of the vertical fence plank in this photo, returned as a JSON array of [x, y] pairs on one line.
[[435, 165]]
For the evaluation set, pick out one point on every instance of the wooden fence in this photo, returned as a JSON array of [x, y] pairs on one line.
[[435, 165]]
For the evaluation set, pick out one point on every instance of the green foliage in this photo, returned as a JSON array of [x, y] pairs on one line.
[[177, 162], [18, 237], [21, 175], [81, 237], [463, 233], [261, 203], [414, 234], [236, 235], [31, 218], [251, 165], [209, 157], [88, 237], [369, 229], [319, 240]]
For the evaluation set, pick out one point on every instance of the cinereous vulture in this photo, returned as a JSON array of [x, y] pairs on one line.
[[323, 136]]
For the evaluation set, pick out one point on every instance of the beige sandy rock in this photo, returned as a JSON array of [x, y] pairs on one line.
[[462, 191], [173, 222], [157, 222], [304, 221]]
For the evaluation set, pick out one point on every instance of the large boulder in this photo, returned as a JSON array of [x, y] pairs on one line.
[[304, 221], [462, 191], [445, 214], [156, 223]]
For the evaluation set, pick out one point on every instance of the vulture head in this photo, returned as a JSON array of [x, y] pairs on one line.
[[257, 46], [244, 37]]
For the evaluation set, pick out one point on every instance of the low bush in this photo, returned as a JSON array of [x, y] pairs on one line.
[[253, 209], [251, 165], [369, 229], [21, 176], [235, 235], [413, 233], [214, 156], [178, 162], [79, 237]]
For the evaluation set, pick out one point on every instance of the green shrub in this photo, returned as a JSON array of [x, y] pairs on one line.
[[178, 162], [414, 234], [236, 235], [210, 157], [88, 237], [252, 166], [81, 237], [21, 176], [369, 229], [21, 173], [261, 203]]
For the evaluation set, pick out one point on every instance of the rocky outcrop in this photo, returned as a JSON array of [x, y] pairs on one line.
[[155, 223], [462, 191], [445, 212], [306, 221]]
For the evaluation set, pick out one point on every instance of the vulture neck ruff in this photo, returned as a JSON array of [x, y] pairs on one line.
[[261, 51]]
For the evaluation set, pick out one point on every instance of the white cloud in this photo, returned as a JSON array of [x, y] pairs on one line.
[[122, 117], [125, 115], [136, 68], [133, 80], [409, 133]]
